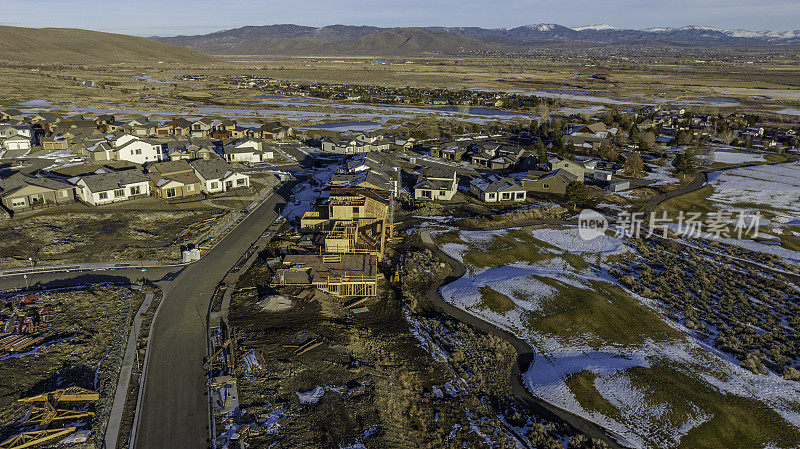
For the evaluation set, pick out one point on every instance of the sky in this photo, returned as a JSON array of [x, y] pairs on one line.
[[172, 17]]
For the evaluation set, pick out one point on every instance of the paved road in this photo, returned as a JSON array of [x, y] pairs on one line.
[[525, 355], [174, 408]]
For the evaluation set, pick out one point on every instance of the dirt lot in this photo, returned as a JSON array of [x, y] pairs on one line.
[[145, 229], [83, 346]]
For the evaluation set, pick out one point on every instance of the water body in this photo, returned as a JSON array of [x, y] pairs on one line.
[[148, 78], [715, 101], [477, 111], [345, 126]]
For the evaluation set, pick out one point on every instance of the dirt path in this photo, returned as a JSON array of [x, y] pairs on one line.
[[525, 354]]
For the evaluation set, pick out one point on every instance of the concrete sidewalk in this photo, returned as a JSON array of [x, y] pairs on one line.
[[124, 381]]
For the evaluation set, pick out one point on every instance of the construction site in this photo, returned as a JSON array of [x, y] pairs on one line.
[[347, 237], [60, 359]]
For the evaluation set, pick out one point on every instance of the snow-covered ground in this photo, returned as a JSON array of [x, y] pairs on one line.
[[771, 188], [643, 421], [730, 157]]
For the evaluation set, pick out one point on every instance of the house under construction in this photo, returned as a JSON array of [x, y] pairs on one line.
[[353, 227], [337, 274], [354, 221]]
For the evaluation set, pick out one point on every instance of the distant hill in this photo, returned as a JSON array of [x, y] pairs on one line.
[[336, 39], [368, 40], [71, 46]]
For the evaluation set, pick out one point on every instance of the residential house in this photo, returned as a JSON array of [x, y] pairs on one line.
[[451, 152], [218, 176], [174, 179], [104, 187], [574, 167], [44, 120], [554, 182], [202, 128], [22, 191], [436, 183], [139, 151], [179, 127], [11, 115], [248, 150], [275, 131], [496, 189]]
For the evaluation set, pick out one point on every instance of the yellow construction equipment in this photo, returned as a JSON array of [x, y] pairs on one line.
[[71, 394], [28, 439], [44, 415]]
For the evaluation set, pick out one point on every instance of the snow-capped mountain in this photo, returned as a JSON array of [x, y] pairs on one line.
[[598, 27]]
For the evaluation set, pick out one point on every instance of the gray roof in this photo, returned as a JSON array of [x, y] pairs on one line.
[[102, 182], [496, 184], [214, 168], [19, 180]]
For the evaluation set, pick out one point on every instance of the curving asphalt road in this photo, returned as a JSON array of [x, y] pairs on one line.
[[525, 355]]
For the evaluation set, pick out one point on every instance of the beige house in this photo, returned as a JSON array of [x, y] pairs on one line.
[[23, 192], [576, 168], [174, 179]]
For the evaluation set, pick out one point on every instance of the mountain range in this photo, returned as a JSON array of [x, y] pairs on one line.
[[368, 40]]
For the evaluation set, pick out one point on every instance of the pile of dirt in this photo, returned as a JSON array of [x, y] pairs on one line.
[[275, 303]]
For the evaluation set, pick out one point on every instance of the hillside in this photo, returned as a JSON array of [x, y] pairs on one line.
[[337, 39], [63, 45], [367, 40]]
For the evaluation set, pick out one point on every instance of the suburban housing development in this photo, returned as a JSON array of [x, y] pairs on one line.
[[279, 236]]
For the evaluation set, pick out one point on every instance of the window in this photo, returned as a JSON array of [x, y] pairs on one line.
[[138, 151], [119, 193], [442, 192], [546, 186], [190, 188], [241, 181], [63, 193], [18, 202], [103, 195], [170, 193], [137, 190], [355, 210], [520, 195], [506, 195], [491, 196], [214, 185], [37, 198]]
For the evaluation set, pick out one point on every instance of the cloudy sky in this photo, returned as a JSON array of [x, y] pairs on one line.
[[172, 17]]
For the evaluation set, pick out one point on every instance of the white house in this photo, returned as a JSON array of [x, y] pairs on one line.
[[217, 175], [249, 150], [109, 187], [436, 183], [495, 189], [140, 151]]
